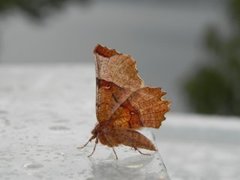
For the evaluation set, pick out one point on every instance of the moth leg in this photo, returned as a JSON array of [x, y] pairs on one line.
[[115, 153], [87, 142], [111, 145], [96, 141], [147, 154]]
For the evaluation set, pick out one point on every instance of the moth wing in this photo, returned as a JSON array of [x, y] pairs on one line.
[[117, 77], [118, 68], [143, 108], [128, 137]]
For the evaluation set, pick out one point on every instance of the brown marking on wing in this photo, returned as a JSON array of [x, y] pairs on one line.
[[105, 52], [144, 108], [126, 116]]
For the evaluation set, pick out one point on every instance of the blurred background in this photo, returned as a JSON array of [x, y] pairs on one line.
[[190, 48]]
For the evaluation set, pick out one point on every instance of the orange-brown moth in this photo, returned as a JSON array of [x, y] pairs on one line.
[[123, 103]]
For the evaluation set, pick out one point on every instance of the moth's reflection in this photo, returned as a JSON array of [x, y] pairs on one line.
[[135, 167]]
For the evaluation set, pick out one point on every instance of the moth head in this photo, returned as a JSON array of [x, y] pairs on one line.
[[95, 130]]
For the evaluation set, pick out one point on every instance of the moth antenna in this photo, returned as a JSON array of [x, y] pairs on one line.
[[115, 153], [95, 145], [91, 138]]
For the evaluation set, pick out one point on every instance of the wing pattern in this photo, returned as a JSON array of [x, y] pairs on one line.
[[121, 96]]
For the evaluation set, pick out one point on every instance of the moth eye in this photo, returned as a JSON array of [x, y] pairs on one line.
[[108, 86]]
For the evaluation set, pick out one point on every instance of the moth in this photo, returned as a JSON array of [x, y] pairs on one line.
[[123, 104]]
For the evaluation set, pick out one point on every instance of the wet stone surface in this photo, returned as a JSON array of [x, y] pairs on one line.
[[46, 112], [44, 117]]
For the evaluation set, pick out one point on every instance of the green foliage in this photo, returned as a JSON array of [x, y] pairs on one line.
[[209, 92], [36, 9], [215, 89], [234, 11]]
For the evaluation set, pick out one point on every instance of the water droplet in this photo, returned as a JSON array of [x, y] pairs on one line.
[[59, 128], [61, 121], [3, 112], [32, 165], [5, 120], [60, 153]]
